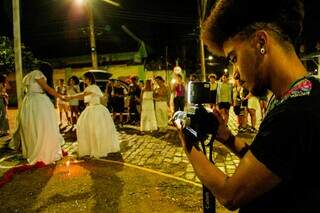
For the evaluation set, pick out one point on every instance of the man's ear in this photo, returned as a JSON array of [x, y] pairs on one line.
[[261, 41]]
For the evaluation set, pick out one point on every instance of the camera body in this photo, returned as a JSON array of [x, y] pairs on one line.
[[197, 122]]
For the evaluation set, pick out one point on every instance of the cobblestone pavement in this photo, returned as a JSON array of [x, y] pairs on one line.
[[158, 151]]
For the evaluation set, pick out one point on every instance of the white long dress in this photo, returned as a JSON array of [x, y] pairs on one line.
[[37, 131], [96, 133], [148, 116]]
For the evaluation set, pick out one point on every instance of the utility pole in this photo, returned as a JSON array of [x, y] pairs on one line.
[[167, 70], [202, 55], [94, 56], [17, 49]]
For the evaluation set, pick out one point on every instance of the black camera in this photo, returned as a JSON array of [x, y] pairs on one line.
[[197, 122]]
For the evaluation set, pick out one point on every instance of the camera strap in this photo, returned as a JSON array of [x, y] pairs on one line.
[[209, 201]]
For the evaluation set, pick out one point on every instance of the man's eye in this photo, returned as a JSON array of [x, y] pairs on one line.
[[232, 59]]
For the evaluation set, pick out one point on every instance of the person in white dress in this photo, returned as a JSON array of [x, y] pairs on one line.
[[37, 133], [96, 132], [148, 117], [161, 104]]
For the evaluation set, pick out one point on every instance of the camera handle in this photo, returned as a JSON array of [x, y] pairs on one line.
[[209, 201]]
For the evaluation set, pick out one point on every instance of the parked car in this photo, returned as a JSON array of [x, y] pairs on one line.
[[101, 77]]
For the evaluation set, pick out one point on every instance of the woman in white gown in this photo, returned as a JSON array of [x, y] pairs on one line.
[[148, 116], [37, 133], [96, 132]]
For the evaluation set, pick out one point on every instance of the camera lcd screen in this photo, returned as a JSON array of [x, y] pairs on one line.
[[198, 92]]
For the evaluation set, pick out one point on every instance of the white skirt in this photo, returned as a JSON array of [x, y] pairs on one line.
[[162, 114], [96, 133], [38, 131], [148, 117], [253, 103]]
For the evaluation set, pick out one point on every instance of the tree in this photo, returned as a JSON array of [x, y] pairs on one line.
[[7, 57]]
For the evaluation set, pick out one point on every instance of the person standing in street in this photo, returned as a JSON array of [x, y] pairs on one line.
[[4, 101], [275, 172], [224, 96], [37, 134], [134, 100], [178, 90], [62, 105], [118, 102], [148, 121], [96, 132], [73, 88], [213, 90], [161, 106]]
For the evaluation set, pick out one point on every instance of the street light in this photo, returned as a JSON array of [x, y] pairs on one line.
[[93, 49]]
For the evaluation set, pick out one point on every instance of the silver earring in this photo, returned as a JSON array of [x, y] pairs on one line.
[[262, 50]]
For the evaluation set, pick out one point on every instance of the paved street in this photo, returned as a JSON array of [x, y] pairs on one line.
[[158, 151]]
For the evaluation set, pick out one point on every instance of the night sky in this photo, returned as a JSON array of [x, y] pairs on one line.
[[58, 28]]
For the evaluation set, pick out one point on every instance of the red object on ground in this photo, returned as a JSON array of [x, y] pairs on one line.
[[64, 153], [8, 175]]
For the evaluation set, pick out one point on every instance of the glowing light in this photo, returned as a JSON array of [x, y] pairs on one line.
[[68, 166], [225, 70], [177, 70], [210, 57], [80, 2], [173, 81]]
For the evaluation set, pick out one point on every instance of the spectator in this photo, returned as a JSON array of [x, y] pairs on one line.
[[161, 99], [108, 94], [62, 105], [73, 88], [253, 105], [224, 97], [134, 94], [193, 77], [118, 102], [4, 101], [148, 116], [213, 90], [178, 90], [238, 107]]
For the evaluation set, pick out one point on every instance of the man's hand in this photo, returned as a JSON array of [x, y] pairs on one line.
[[223, 132]]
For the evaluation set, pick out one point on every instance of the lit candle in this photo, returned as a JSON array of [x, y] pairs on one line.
[[68, 166]]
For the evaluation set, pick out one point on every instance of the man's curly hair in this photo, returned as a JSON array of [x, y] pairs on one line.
[[231, 17]]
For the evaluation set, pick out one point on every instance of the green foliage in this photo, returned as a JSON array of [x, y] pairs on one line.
[[7, 57]]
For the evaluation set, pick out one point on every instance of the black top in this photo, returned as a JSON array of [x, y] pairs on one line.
[[288, 144], [134, 91], [119, 91]]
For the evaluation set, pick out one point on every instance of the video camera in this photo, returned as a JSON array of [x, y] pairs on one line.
[[197, 122]]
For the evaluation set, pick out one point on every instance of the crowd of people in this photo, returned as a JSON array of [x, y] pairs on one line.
[[148, 104]]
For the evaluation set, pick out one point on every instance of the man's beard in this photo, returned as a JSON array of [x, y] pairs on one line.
[[259, 91]]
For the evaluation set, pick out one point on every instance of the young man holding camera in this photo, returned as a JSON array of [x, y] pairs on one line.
[[275, 172]]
